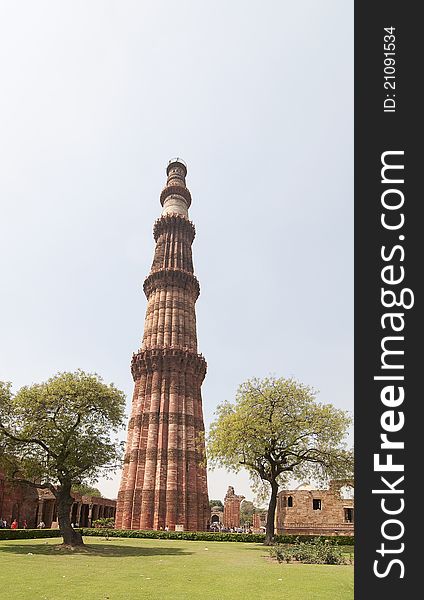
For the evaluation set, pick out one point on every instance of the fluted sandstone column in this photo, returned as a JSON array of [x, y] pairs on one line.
[[164, 481]]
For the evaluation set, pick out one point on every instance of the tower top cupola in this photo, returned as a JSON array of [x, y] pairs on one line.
[[175, 197]]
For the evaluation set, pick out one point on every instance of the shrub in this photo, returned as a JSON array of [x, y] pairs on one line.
[[281, 553], [28, 534], [109, 522], [208, 536], [203, 536], [318, 551], [341, 540]]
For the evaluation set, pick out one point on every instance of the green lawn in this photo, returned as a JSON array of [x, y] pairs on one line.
[[127, 569]]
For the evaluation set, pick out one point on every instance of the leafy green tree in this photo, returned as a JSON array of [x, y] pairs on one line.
[[58, 434], [213, 503], [86, 490], [246, 512], [277, 430]]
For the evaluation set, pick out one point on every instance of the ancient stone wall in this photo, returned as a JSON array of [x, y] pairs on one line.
[[315, 512], [232, 508], [18, 502], [259, 521], [25, 503], [217, 517]]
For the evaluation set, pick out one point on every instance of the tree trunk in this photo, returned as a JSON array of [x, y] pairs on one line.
[[269, 535], [64, 503]]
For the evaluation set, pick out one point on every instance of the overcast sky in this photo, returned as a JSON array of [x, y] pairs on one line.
[[257, 97]]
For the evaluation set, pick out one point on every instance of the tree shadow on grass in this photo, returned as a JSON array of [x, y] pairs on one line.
[[103, 550]]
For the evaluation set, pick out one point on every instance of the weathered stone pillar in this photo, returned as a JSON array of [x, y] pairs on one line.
[[95, 513], [49, 513], [232, 508], [164, 479], [40, 510]]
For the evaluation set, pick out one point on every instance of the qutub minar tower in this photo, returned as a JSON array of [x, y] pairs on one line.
[[164, 477]]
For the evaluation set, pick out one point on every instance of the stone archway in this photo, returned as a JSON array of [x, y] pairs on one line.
[[216, 518]]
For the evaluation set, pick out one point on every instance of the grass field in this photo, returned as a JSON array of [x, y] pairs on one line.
[[127, 569]]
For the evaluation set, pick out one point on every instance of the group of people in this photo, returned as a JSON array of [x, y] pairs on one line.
[[217, 527], [15, 525]]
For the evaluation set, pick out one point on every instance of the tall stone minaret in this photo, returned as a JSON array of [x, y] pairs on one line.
[[164, 481]]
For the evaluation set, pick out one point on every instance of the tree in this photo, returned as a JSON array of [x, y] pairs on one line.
[[58, 434], [276, 429], [214, 503], [86, 490], [246, 512]]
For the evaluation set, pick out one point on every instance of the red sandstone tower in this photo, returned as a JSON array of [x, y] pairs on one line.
[[232, 504], [164, 477]]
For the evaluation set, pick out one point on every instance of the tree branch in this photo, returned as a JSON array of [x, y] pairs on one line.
[[38, 486], [26, 440]]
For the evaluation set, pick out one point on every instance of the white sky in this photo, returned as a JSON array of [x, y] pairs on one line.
[[257, 97]]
